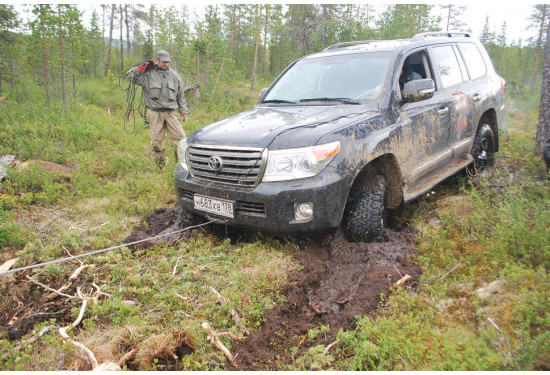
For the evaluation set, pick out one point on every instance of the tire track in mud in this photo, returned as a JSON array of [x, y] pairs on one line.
[[339, 280]]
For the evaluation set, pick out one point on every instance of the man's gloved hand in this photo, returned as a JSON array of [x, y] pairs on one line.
[[145, 65]]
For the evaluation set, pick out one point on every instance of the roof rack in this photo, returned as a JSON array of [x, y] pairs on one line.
[[448, 34], [344, 44]]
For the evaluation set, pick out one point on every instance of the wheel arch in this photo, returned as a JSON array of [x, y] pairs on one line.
[[489, 117], [387, 166]]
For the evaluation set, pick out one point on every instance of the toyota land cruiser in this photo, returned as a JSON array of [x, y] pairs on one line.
[[345, 134]]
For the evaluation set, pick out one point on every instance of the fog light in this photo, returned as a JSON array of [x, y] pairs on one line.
[[303, 211]]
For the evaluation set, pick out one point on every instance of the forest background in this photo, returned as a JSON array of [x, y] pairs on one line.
[[227, 43], [61, 105]]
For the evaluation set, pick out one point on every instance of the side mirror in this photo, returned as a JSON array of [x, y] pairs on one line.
[[262, 93], [415, 91]]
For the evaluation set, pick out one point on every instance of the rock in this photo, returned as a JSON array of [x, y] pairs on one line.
[[5, 162], [435, 223], [493, 288]]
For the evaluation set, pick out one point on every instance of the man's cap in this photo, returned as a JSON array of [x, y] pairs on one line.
[[163, 56]]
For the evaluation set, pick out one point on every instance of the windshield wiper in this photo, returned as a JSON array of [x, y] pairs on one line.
[[341, 100], [279, 101]]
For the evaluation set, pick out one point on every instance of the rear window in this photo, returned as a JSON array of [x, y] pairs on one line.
[[474, 60]]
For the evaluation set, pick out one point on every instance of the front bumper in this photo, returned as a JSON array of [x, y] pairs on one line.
[[270, 206]]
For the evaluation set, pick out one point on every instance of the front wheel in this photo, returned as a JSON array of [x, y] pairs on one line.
[[365, 211], [483, 150]]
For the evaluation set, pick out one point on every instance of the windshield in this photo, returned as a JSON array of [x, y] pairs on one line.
[[351, 76]]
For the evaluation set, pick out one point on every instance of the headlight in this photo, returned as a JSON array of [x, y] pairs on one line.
[[182, 147], [294, 163]]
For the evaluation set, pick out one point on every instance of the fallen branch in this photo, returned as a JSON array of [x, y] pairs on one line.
[[63, 332], [176, 266], [234, 313], [72, 278], [330, 346], [230, 335], [401, 281], [132, 353], [29, 341], [221, 299], [192, 87], [451, 270], [214, 339], [50, 289]]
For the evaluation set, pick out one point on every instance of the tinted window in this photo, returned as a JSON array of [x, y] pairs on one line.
[[474, 61], [447, 65]]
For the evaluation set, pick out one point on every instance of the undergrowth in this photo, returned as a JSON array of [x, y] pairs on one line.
[[482, 302]]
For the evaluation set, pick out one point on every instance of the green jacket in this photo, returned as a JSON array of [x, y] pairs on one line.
[[163, 88]]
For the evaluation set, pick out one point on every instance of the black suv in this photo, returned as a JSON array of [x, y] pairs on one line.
[[345, 134]]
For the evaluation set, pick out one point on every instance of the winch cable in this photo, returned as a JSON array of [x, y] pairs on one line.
[[131, 89], [104, 250]]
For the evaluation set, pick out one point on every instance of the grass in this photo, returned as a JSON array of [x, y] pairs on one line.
[[495, 230]]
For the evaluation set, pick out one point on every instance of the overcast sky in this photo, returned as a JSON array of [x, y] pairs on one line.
[[515, 15]]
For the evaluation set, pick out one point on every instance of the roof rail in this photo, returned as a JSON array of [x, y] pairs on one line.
[[448, 34], [344, 44]]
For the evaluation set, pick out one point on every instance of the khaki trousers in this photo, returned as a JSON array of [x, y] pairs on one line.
[[159, 124]]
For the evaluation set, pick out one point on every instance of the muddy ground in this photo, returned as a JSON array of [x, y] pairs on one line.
[[339, 281]]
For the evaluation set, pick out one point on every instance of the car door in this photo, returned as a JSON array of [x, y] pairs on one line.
[[424, 124], [460, 94], [470, 99]]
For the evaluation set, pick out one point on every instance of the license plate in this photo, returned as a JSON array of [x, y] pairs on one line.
[[215, 206]]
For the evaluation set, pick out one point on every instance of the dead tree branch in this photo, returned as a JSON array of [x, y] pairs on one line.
[[401, 281], [50, 289], [215, 340]]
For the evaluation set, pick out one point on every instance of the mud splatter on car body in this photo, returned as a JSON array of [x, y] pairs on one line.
[[305, 157]]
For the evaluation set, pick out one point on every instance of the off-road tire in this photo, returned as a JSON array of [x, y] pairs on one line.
[[483, 150], [365, 211]]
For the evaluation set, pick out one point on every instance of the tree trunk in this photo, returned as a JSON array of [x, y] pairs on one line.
[[121, 40], [324, 29], [543, 127], [265, 41], [258, 27], [198, 60], [44, 54], [539, 46], [108, 63], [74, 85], [62, 57], [127, 30]]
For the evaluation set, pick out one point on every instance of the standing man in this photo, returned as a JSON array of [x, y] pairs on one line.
[[164, 98]]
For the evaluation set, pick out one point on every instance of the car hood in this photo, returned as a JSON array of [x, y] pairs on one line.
[[281, 127]]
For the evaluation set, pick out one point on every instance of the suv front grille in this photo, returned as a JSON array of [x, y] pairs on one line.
[[241, 166]]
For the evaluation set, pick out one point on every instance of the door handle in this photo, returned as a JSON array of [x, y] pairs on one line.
[[477, 97], [443, 111]]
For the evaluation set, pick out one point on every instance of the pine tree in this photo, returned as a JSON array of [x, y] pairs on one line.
[[539, 20], [543, 126]]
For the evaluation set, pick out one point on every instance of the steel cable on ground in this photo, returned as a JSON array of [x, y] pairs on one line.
[[104, 250]]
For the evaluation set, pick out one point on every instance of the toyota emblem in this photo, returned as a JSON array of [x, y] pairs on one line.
[[215, 163]]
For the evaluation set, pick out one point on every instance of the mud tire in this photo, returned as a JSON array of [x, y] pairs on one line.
[[365, 212], [483, 150]]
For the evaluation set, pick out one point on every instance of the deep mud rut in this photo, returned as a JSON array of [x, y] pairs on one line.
[[339, 280]]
